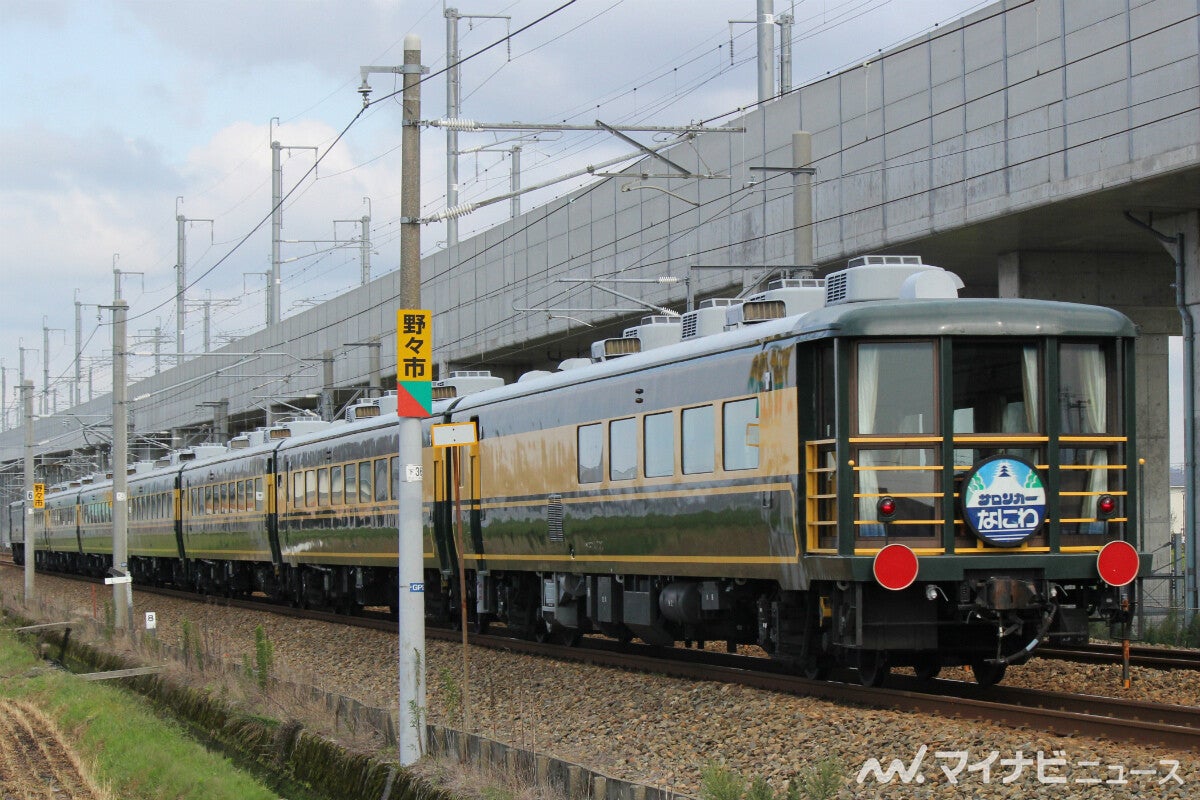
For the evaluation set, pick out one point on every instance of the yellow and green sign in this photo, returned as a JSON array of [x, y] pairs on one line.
[[414, 362]]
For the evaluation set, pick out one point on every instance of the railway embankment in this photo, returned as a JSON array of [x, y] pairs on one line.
[[663, 732]]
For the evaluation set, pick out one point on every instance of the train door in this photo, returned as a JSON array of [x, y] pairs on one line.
[[443, 511], [271, 506]]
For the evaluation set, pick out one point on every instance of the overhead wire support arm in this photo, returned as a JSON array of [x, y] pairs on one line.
[[644, 149], [474, 125]]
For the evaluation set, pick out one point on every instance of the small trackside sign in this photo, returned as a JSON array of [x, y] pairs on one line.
[[416, 587], [453, 434]]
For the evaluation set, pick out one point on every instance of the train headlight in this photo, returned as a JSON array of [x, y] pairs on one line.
[[1106, 506], [895, 567], [1118, 563]]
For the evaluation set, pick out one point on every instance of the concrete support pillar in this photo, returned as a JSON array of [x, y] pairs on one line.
[[1104, 279], [1179, 234]]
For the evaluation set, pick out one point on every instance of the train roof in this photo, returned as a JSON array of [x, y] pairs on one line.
[[896, 317]]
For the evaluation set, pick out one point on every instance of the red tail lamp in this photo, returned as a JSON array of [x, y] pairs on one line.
[[1106, 506], [895, 567], [886, 508], [1118, 563]]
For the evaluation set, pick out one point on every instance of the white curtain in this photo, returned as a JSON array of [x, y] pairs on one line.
[[1029, 363], [1093, 418], [868, 400]]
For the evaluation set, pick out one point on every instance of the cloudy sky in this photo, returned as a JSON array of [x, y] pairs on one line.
[[115, 115]]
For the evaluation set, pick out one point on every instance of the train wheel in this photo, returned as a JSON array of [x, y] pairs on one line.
[[873, 668], [816, 668], [927, 668], [986, 673]]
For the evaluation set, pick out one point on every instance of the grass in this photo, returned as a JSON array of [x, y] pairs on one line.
[[117, 735]]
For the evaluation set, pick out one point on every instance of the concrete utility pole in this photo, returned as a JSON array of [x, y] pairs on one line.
[[30, 536], [275, 282], [3, 396], [766, 50], [411, 602], [411, 557], [181, 278], [78, 349], [122, 592], [46, 365]]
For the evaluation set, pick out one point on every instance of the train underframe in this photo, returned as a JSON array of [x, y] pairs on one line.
[[985, 621]]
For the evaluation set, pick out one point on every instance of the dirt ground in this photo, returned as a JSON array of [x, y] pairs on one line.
[[36, 762]]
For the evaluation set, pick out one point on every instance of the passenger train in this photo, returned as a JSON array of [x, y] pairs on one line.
[[865, 470]]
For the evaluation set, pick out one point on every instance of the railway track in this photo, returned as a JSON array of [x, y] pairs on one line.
[[1170, 726], [1141, 656]]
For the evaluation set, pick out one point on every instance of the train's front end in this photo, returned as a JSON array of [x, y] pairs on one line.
[[971, 487]]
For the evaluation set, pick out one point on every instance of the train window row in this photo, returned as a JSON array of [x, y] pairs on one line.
[[97, 512], [696, 433], [226, 498], [62, 515], [352, 483], [151, 506]]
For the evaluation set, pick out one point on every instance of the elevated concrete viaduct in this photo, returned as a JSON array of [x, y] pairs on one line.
[[1012, 147]]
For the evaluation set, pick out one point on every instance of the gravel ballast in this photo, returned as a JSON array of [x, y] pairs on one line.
[[662, 731]]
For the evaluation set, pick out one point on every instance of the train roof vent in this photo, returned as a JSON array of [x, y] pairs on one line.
[[573, 363], [889, 278], [534, 374], [464, 382], [144, 466], [608, 349], [163, 461], [87, 479], [388, 403], [708, 319], [240, 442], [200, 452], [363, 409], [295, 427], [784, 297], [657, 330]]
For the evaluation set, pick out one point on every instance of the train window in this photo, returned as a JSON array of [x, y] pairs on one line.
[[258, 494], [826, 394], [1084, 390], [224, 498], [699, 440], [364, 482], [658, 445], [241, 495], [351, 483], [381, 479], [208, 499], [622, 449], [336, 485], [297, 489], [903, 474], [740, 428], [310, 488], [995, 387], [591, 451], [395, 478], [323, 487], [895, 387]]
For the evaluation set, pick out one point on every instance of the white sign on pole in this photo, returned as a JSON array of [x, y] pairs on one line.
[[151, 620]]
